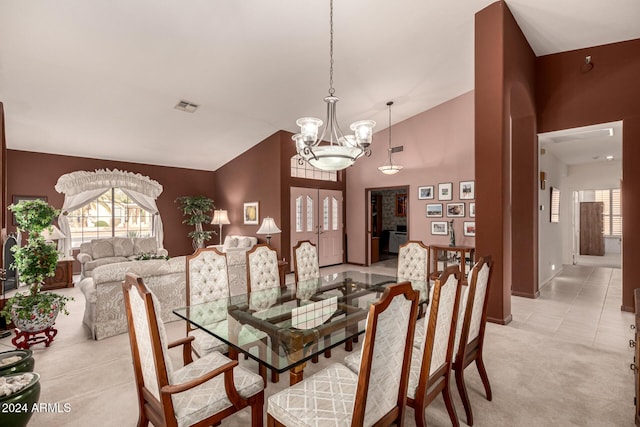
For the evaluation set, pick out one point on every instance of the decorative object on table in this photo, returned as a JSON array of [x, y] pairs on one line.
[[439, 228], [472, 210], [18, 199], [445, 190], [434, 210], [469, 228], [16, 361], [35, 312], [425, 193], [196, 209], [401, 204], [455, 210], [251, 213], [452, 234], [390, 168], [21, 390], [220, 218], [467, 190], [332, 150], [268, 227]]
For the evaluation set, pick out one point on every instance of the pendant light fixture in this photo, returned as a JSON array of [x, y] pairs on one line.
[[390, 168], [339, 151]]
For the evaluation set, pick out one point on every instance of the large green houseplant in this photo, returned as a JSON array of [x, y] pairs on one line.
[[35, 310], [197, 209]]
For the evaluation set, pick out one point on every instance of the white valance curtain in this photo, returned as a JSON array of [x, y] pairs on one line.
[[81, 187]]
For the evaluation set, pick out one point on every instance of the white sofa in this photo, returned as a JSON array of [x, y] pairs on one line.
[[115, 249], [105, 314], [236, 247]]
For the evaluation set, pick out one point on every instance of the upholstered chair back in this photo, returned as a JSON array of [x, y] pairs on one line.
[[386, 352], [413, 258], [443, 312], [147, 335], [262, 268], [479, 300], [305, 261], [207, 277]]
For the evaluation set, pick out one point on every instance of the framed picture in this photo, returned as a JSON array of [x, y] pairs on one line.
[[434, 210], [469, 228], [251, 213], [17, 199], [425, 193], [472, 210], [445, 190], [440, 228], [467, 190], [401, 204], [455, 210]]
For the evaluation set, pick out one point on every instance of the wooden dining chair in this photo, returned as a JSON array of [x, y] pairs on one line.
[[200, 393], [413, 265], [374, 396], [470, 339], [431, 364], [305, 261]]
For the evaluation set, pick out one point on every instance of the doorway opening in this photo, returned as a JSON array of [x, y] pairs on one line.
[[584, 167], [387, 222]]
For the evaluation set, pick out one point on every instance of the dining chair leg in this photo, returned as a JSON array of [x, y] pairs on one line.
[[464, 396], [419, 415], [483, 375], [143, 421], [275, 377], [257, 418], [448, 402]]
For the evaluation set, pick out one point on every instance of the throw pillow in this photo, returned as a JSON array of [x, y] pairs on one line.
[[123, 246], [146, 245], [101, 248], [245, 242], [233, 243]]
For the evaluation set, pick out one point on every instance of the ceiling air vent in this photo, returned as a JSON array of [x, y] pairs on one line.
[[186, 106], [397, 149]]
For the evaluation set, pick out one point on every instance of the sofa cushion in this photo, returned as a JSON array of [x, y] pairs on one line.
[[90, 265], [146, 245], [122, 246], [101, 248]]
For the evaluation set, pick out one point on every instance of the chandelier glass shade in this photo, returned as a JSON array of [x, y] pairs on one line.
[[330, 149], [389, 168]]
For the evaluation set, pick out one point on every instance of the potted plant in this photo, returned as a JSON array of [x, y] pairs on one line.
[[34, 311], [196, 209]]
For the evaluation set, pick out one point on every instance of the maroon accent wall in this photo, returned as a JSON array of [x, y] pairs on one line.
[[36, 174], [3, 173], [566, 98], [237, 182], [505, 135]]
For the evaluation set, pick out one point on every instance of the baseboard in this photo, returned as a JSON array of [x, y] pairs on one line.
[[504, 321], [534, 295], [356, 263], [626, 308], [553, 276]]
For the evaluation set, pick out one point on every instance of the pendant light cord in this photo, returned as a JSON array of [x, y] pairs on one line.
[[331, 89], [390, 103]]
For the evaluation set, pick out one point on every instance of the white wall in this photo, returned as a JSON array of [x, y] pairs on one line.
[[550, 234], [591, 176]]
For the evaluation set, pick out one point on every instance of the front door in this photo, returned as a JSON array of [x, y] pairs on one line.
[[317, 216]]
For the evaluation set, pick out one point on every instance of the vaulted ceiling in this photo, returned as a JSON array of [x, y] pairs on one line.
[[101, 78]]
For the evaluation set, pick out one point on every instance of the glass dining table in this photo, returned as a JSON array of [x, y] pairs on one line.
[[283, 328]]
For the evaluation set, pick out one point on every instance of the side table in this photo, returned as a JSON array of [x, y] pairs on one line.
[[63, 277], [282, 269]]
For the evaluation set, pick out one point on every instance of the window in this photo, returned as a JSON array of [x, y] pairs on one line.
[[111, 214], [612, 212], [555, 205], [305, 170]]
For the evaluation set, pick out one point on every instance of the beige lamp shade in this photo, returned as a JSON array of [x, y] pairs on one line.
[[268, 227], [220, 217]]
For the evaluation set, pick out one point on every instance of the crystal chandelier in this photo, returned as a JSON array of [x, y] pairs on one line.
[[390, 169], [338, 151]]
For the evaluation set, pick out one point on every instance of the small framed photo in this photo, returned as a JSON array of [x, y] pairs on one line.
[[18, 199], [467, 190], [445, 190], [455, 210], [425, 193], [469, 228], [440, 228], [251, 214], [434, 210], [472, 210]]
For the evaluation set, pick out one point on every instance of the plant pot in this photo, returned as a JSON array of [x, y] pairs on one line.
[[17, 406], [25, 364], [37, 321]]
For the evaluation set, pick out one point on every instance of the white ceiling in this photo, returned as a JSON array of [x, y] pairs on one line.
[[100, 78], [588, 144]]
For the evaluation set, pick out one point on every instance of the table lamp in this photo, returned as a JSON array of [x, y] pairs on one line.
[[220, 217], [268, 227], [52, 236]]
